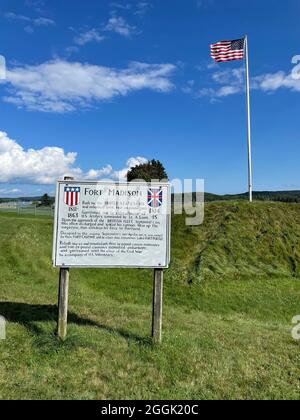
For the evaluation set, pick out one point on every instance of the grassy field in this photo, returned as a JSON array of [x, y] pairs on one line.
[[230, 295]]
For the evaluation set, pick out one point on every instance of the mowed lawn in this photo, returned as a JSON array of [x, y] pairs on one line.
[[226, 336]]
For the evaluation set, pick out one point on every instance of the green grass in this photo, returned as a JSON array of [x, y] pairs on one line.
[[230, 295]]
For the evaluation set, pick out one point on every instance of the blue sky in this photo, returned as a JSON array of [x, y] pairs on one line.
[[93, 87]]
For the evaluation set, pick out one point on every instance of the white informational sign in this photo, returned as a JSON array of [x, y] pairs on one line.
[[103, 224]]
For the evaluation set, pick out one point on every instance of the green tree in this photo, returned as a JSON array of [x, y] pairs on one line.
[[149, 171], [46, 201]]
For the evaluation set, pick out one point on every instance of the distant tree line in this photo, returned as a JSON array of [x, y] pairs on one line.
[[280, 196], [44, 201]]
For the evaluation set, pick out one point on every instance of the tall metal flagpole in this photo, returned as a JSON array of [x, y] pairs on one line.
[[248, 121]]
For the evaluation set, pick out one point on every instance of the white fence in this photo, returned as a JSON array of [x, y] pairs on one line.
[[23, 209]]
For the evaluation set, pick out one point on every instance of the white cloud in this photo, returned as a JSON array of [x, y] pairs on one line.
[[232, 82], [139, 9], [189, 87], [142, 8], [45, 166], [115, 24], [274, 81], [227, 91], [30, 22], [71, 50], [2, 68], [119, 25], [107, 172], [33, 166], [131, 163], [13, 16], [126, 6], [41, 21], [62, 86], [9, 191], [92, 35], [233, 76]]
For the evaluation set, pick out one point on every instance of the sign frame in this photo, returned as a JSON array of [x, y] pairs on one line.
[[79, 183]]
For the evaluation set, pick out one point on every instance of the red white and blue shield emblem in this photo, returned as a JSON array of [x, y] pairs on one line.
[[72, 196], [155, 197]]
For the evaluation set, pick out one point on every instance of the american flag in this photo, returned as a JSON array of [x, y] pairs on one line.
[[72, 196], [224, 51]]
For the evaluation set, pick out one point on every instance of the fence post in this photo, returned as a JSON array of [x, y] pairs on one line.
[[157, 305], [63, 297]]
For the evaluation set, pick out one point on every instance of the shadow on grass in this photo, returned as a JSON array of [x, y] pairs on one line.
[[28, 315]]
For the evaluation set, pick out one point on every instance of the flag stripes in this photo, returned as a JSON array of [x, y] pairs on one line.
[[72, 196], [224, 51]]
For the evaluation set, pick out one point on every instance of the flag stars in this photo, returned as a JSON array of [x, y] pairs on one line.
[[72, 189]]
